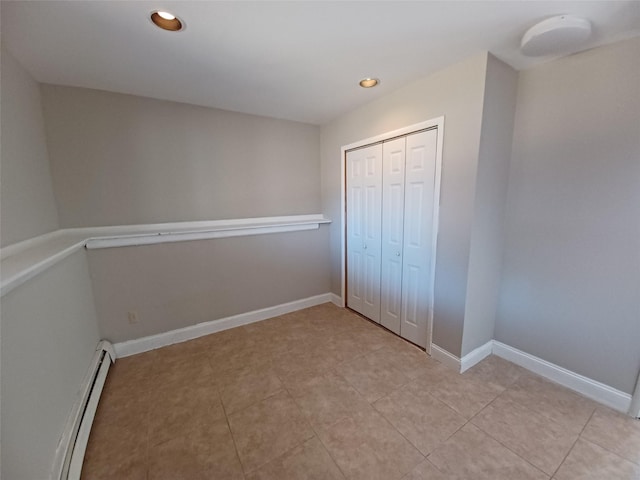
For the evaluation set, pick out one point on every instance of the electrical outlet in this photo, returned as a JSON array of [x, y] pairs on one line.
[[133, 317]]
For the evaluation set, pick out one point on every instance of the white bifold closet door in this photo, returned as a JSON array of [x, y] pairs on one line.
[[364, 205], [418, 254], [393, 165], [406, 185]]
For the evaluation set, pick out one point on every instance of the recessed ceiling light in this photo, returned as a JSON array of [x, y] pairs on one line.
[[167, 15], [166, 21], [369, 82]]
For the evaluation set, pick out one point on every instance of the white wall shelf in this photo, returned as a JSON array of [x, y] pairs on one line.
[[24, 260]]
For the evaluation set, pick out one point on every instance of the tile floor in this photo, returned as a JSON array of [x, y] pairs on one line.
[[324, 394]]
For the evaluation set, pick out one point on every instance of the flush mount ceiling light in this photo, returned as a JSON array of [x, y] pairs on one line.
[[555, 35], [369, 82], [166, 21]]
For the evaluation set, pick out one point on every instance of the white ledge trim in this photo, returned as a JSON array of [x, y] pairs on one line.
[[152, 234], [24, 260]]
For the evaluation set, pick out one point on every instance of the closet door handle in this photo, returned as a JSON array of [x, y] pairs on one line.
[[397, 254], [364, 247]]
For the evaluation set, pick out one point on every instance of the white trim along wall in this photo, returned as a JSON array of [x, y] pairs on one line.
[[592, 389], [144, 344], [588, 387], [24, 260]]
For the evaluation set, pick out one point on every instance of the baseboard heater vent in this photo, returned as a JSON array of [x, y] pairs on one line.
[[73, 444]]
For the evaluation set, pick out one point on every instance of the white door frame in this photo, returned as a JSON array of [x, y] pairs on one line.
[[433, 123]]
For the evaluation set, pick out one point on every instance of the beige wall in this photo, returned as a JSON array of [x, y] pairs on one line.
[[181, 284], [571, 277], [486, 250], [457, 93], [122, 159], [49, 335], [27, 204]]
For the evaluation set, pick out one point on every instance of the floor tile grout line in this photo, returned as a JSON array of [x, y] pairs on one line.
[[415, 446], [233, 439], [207, 356], [533, 412], [608, 451], [376, 410], [594, 442], [560, 388], [370, 405], [509, 448], [574, 443], [284, 389], [315, 433], [470, 421]]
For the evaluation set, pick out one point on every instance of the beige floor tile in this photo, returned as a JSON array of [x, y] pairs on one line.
[[591, 462], [412, 361], [341, 348], [121, 407], [131, 468], [228, 341], [276, 344], [426, 471], [131, 375], [308, 461], [327, 398], [424, 421], [616, 432], [497, 371], [471, 454], [465, 395], [535, 437], [248, 389], [176, 412], [204, 453], [372, 337], [365, 446], [334, 324], [181, 350], [111, 444], [161, 414], [298, 366], [268, 429], [181, 371], [567, 408], [373, 375], [226, 368]]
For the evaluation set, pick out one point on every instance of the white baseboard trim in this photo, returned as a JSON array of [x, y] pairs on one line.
[[337, 300], [592, 389], [444, 357], [589, 388], [144, 344], [465, 363], [476, 356]]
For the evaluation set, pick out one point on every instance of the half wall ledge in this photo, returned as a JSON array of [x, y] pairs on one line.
[[24, 260]]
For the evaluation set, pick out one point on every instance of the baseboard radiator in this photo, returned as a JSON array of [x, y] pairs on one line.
[[73, 443]]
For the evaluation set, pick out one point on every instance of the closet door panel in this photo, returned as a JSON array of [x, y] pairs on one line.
[[393, 171], [364, 211], [418, 229], [355, 222]]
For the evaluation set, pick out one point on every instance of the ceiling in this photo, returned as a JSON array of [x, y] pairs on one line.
[[293, 60]]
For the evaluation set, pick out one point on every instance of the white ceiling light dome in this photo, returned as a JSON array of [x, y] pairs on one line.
[[556, 35]]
